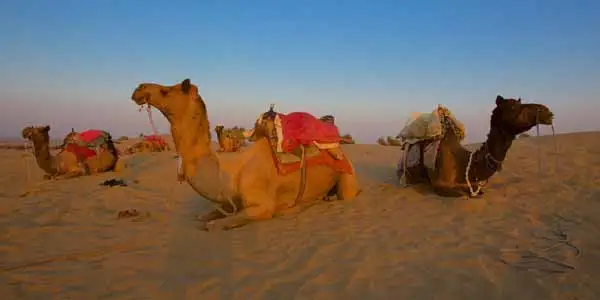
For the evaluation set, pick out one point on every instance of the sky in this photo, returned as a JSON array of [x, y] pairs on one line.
[[73, 63]]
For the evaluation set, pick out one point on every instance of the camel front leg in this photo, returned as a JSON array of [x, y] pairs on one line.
[[347, 187], [258, 206]]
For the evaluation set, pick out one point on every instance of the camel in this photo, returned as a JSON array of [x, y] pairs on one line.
[[74, 159], [459, 172], [230, 139], [244, 186], [150, 143]]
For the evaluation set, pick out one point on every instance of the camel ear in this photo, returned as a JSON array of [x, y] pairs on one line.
[[186, 85], [46, 128], [499, 99], [519, 100]]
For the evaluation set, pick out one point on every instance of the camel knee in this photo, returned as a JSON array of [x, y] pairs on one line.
[[347, 187]]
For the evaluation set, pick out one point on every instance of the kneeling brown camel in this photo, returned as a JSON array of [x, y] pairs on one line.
[[230, 139], [244, 186], [73, 159], [459, 172]]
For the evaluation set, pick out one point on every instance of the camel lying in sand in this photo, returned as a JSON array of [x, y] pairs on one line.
[[459, 172], [82, 153], [150, 143], [230, 139], [249, 185]]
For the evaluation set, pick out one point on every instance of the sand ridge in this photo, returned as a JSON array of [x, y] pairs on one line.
[[520, 241]]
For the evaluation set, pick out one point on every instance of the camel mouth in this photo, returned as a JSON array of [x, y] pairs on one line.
[[140, 99]]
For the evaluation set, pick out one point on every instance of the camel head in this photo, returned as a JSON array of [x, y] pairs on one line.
[[36, 134], [515, 117], [172, 101], [264, 127]]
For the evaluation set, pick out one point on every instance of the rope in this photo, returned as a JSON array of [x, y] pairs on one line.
[[149, 110], [479, 184]]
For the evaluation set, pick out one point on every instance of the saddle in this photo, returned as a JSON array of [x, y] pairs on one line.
[[302, 129], [85, 144]]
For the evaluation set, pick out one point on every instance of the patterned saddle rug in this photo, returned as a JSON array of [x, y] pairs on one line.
[[85, 144]]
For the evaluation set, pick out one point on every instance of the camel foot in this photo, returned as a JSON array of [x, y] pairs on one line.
[[227, 223], [211, 216]]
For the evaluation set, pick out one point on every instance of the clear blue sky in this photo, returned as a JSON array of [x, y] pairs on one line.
[[75, 63]]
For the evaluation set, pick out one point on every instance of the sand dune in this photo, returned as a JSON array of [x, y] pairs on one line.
[[520, 241]]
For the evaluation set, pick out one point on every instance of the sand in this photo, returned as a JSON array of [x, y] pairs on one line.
[[520, 241]]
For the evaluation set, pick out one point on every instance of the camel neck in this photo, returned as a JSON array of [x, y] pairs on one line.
[[43, 158], [491, 154], [192, 142]]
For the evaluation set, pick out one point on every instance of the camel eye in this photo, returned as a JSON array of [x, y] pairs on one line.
[[164, 92]]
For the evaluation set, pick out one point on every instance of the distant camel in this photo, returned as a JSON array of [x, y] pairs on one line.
[[82, 153]]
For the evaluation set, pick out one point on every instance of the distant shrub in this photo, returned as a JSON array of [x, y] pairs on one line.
[[382, 141], [123, 138]]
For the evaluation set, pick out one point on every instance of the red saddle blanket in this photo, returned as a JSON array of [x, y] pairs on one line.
[[324, 158], [156, 139], [84, 142], [80, 151], [301, 128]]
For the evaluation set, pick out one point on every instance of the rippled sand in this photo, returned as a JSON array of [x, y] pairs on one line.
[[63, 240]]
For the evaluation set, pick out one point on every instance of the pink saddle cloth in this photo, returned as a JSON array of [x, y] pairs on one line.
[[302, 128]]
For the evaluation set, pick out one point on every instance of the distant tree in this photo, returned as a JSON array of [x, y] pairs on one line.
[[382, 141]]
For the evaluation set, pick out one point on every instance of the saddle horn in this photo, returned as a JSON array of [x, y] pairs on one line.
[[271, 114]]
